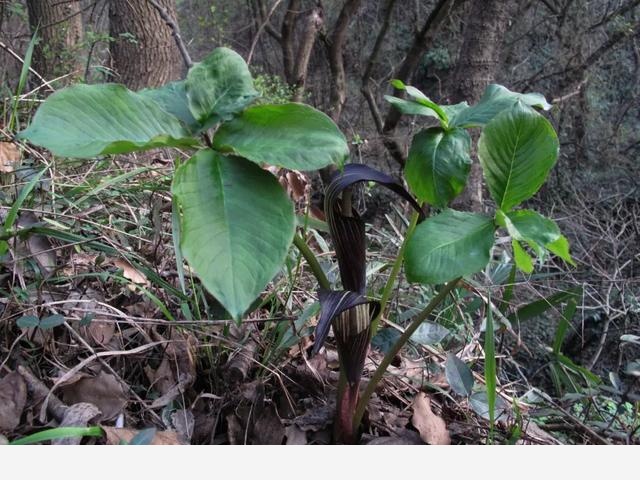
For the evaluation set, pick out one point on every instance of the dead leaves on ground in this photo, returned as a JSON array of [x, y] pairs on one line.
[[102, 390], [9, 157], [13, 398], [432, 428], [118, 436]]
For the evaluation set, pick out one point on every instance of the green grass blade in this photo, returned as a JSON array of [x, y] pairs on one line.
[[57, 434], [563, 326], [24, 74], [13, 212], [176, 234], [490, 366]]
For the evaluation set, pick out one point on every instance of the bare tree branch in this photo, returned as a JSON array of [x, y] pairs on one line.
[[175, 31]]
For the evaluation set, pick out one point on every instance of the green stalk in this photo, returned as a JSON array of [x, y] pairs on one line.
[[404, 338], [311, 259], [397, 265]]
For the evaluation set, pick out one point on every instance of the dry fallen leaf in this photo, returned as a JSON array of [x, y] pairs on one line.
[[101, 328], [268, 429], [177, 371], [78, 415], [131, 273], [103, 390], [183, 421], [9, 157], [432, 428], [13, 396], [115, 436], [36, 246], [295, 436]]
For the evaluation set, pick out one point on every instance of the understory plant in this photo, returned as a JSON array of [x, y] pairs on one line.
[[235, 224]]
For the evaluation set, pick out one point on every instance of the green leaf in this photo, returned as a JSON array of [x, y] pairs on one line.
[[449, 245], [85, 121], [517, 149], [172, 97], [537, 308], [458, 375], [438, 165], [523, 260], [495, 99], [529, 226], [422, 99], [290, 135], [28, 321], [51, 322], [561, 248], [219, 87], [236, 225], [409, 107], [429, 333], [539, 232]]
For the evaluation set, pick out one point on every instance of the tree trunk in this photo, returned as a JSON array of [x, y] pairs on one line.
[[59, 28], [143, 50], [477, 66]]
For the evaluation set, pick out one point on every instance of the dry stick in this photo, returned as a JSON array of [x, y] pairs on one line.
[[175, 31], [260, 30]]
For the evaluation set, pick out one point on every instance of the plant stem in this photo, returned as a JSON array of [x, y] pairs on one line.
[[311, 259], [397, 265], [388, 358]]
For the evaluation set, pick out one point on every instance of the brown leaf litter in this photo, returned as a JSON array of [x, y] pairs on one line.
[[432, 428], [13, 398]]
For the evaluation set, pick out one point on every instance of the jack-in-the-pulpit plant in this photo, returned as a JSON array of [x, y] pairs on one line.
[[517, 149], [235, 223]]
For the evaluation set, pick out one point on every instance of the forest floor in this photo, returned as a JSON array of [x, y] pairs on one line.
[[101, 326]]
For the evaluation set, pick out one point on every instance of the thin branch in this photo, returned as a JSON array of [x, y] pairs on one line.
[[436, 18], [261, 29], [175, 31], [366, 77]]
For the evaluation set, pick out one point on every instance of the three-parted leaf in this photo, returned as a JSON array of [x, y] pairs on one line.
[[448, 246], [219, 87], [236, 223], [290, 135], [84, 121], [517, 149], [438, 165]]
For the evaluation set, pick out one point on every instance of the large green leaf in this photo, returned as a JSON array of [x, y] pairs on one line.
[[172, 97], [89, 120], [290, 135], [236, 223], [448, 246], [219, 86], [438, 164], [495, 99], [516, 150]]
